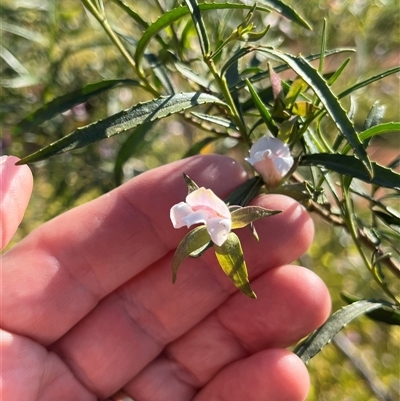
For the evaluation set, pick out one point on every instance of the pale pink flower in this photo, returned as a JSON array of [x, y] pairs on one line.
[[203, 206], [271, 158]]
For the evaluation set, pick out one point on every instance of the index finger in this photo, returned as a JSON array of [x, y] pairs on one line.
[[74, 260]]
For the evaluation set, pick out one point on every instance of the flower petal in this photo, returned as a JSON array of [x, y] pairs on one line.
[[219, 229], [205, 198], [200, 216], [178, 212]]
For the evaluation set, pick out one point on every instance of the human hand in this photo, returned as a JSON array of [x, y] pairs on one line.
[[88, 306]]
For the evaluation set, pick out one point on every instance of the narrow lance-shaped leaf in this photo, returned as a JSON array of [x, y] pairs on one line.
[[191, 242], [223, 122], [368, 81], [66, 102], [237, 56], [133, 14], [283, 67], [387, 314], [287, 12], [245, 192], [264, 112], [311, 76], [332, 79], [352, 167], [191, 75], [16, 29], [123, 121], [375, 130], [231, 259], [375, 116], [321, 337], [199, 25]]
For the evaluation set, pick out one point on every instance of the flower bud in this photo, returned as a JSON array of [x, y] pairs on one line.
[[271, 158]]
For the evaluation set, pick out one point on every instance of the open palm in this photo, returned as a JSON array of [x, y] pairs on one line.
[[88, 306]]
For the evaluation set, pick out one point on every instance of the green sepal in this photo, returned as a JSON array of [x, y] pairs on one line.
[[231, 259], [192, 186], [193, 242], [243, 216]]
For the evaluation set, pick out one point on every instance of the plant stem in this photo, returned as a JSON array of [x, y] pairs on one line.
[[223, 86], [114, 38]]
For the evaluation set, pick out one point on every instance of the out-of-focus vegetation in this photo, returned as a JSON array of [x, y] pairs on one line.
[[50, 48]]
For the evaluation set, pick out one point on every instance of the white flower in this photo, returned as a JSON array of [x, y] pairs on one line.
[[203, 206], [271, 158]]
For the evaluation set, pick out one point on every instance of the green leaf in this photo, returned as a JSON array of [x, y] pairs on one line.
[[311, 76], [171, 16], [156, 66], [338, 72], [387, 314], [380, 129], [133, 145], [66, 102], [231, 259], [245, 192], [161, 72], [264, 112], [351, 166], [13, 62], [191, 75], [133, 14], [223, 122], [191, 242], [199, 25], [389, 219], [123, 121], [368, 81], [322, 336], [286, 12], [284, 67], [237, 56], [245, 215], [24, 33], [375, 116]]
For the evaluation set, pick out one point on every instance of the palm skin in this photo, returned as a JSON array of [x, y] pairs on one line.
[[88, 306]]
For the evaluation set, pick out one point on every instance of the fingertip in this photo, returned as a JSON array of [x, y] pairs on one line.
[[281, 376], [15, 191], [272, 374], [293, 373]]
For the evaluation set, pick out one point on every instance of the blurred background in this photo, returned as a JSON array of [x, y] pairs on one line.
[[50, 48]]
